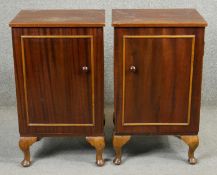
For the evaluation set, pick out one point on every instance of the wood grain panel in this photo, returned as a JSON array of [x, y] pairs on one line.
[[161, 95], [160, 88], [53, 72], [57, 89]]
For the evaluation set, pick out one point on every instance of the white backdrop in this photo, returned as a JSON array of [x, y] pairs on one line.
[[9, 8]]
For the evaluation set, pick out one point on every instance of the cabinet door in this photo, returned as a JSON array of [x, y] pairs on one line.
[[58, 75], [157, 73], [157, 79], [59, 84]]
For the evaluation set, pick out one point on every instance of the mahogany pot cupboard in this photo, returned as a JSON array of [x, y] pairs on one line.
[[158, 56], [58, 60]]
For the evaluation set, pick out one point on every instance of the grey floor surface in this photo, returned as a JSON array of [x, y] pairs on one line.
[[143, 155]]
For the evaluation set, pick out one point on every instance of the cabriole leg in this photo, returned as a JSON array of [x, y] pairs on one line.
[[192, 142], [24, 144], [99, 144], [118, 142]]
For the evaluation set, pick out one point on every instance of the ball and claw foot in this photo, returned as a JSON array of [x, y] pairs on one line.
[[99, 144]]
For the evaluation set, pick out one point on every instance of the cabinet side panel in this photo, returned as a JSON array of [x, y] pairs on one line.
[[16, 33], [99, 79], [197, 80], [118, 76]]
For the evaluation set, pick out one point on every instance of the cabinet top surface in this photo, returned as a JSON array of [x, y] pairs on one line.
[[157, 18], [59, 18]]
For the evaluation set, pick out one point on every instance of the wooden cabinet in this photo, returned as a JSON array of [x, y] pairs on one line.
[[158, 57], [58, 59]]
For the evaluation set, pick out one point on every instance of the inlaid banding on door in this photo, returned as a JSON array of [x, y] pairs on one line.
[[125, 38], [91, 38]]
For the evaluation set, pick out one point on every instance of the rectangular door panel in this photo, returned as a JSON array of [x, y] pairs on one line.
[[157, 79], [58, 80], [157, 84]]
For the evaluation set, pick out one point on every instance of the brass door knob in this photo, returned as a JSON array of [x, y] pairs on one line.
[[85, 69], [132, 68]]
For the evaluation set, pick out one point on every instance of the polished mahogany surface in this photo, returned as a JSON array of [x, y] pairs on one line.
[[158, 58], [59, 18], [157, 18], [159, 87], [59, 71], [158, 80], [53, 73], [59, 79]]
